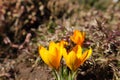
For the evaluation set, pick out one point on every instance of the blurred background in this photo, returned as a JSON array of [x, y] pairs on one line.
[[25, 24]]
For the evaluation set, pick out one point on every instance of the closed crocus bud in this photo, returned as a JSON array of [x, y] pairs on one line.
[[78, 37], [52, 56]]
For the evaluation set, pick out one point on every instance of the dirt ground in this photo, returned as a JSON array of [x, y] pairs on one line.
[[26, 24]]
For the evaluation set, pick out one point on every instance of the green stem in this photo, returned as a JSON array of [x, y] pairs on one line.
[[61, 76], [72, 75], [57, 76]]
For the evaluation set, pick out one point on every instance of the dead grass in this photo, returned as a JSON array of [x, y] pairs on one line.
[[47, 22]]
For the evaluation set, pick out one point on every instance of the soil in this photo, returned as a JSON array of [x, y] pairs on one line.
[[21, 68]]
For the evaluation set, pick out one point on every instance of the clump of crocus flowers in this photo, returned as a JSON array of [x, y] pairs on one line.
[[59, 58]]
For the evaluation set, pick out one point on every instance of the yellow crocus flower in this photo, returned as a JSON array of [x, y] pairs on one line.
[[78, 37], [52, 56], [75, 57]]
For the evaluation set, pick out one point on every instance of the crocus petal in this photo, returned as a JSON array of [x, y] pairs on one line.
[[78, 50], [61, 48], [52, 56], [78, 37], [75, 58], [81, 37], [77, 64], [54, 59], [44, 55], [65, 55], [71, 59], [86, 55], [52, 46]]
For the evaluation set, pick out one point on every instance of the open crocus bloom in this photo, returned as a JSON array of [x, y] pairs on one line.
[[75, 57], [52, 56], [78, 37]]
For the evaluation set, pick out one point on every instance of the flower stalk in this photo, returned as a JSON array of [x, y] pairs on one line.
[[63, 76]]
